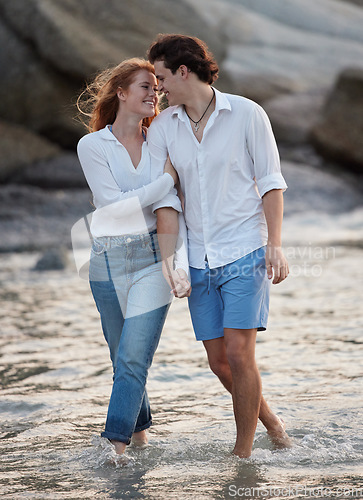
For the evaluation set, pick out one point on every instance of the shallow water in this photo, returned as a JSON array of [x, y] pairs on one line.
[[56, 379]]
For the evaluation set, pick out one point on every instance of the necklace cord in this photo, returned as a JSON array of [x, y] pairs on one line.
[[196, 123]]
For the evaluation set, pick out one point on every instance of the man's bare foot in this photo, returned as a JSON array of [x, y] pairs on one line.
[[278, 435], [139, 440]]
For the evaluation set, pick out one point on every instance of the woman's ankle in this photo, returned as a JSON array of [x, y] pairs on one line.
[[119, 446]]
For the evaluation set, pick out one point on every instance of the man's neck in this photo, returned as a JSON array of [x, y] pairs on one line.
[[198, 99]]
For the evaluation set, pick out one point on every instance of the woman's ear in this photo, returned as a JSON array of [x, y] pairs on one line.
[[121, 94]]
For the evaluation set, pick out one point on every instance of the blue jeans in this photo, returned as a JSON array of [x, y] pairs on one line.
[[133, 299]]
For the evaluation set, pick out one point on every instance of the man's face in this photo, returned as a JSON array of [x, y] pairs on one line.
[[168, 83]]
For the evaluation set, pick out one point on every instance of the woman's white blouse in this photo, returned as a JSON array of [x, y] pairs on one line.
[[125, 197], [122, 194]]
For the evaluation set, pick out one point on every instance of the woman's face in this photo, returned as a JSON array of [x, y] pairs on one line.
[[141, 97]]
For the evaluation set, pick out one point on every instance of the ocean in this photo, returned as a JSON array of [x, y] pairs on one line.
[[56, 379]]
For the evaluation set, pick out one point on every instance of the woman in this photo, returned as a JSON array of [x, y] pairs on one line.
[[130, 292]]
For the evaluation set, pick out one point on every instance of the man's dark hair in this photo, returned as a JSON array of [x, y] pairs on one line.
[[176, 50]]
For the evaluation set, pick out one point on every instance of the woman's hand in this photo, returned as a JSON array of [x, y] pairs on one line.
[[169, 169], [177, 280], [181, 196], [182, 287]]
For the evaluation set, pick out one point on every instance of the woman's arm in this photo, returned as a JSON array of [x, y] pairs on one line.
[[103, 185]]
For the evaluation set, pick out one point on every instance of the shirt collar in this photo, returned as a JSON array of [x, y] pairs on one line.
[[222, 102], [105, 133]]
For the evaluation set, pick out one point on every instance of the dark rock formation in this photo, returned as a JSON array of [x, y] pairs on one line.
[[61, 172], [285, 47], [52, 47], [294, 115], [52, 259], [339, 133], [32, 218], [314, 190], [19, 147]]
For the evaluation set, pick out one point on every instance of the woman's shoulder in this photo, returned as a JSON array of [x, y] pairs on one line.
[[93, 138]]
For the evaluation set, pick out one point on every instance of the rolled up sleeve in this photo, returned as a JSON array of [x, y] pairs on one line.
[[269, 182], [170, 200], [262, 149]]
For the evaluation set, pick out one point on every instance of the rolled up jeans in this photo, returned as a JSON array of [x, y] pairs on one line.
[[133, 299]]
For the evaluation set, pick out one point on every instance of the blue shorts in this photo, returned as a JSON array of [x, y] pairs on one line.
[[232, 296]]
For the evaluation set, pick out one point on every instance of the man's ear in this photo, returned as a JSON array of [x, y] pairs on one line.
[[184, 70]]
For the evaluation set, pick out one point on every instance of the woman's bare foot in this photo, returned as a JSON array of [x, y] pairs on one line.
[[139, 439], [119, 446], [278, 434]]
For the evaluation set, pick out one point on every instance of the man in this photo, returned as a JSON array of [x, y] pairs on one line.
[[223, 149]]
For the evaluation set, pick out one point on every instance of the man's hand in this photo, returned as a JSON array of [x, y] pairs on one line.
[[182, 287], [276, 264], [177, 280]]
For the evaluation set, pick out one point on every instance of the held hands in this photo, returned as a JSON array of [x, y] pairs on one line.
[[169, 169], [178, 281], [182, 287], [276, 264]]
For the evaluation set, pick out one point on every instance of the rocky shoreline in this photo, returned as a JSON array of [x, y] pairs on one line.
[[34, 218], [301, 60]]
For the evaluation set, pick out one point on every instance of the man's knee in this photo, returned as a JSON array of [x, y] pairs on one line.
[[240, 355], [219, 366]]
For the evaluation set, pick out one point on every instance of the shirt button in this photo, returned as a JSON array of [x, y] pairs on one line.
[[128, 240]]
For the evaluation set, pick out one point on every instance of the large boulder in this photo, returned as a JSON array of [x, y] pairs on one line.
[[294, 115], [33, 94], [52, 47], [53, 259], [32, 218], [339, 133], [284, 47], [19, 147], [357, 2], [315, 190], [60, 172]]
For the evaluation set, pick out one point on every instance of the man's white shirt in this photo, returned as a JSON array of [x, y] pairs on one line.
[[223, 177]]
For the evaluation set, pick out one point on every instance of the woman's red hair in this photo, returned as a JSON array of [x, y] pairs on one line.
[[99, 101]]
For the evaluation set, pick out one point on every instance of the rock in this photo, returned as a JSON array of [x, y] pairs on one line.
[[35, 219], [20, 147], [311, 189], [283, 47], [264, 49], [305, 154], [60, 172], [294, 115], [53, 259], [356, 2], [53, 47], [32, 218], [33, 94], [79, 38], [339, 133]]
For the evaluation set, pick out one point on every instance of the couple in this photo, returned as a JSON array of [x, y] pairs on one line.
[[224, 159]]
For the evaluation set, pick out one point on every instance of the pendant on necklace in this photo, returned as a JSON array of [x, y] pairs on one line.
[[196, 127]]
